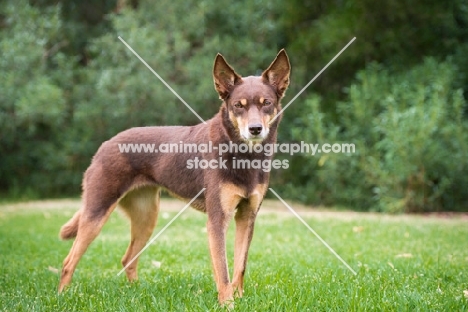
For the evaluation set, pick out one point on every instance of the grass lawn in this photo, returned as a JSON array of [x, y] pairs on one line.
[[404, 263]]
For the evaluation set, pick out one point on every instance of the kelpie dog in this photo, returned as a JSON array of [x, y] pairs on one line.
[[134, 180]]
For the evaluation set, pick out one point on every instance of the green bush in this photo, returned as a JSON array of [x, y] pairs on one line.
[[32, 104], [411, 143]]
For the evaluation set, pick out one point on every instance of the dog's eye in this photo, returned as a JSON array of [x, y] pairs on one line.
[[238, 105], [266, 103]]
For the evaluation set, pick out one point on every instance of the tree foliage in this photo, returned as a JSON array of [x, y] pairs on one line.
[[68, 83], [411, 143]]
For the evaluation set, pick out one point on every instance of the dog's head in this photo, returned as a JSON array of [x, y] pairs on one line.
[[252, 102]]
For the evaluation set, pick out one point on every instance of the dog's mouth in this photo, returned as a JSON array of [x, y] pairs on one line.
[[253, 139]]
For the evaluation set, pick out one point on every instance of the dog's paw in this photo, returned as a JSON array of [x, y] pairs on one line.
[[226, 297], [238, 291], [228, 305]]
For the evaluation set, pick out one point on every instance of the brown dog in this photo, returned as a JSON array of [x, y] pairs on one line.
[[134, 180]]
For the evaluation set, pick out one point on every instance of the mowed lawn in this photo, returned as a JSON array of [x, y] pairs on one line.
[[404, 263]]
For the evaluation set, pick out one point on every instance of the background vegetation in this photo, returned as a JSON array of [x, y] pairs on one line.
[[399, 92]]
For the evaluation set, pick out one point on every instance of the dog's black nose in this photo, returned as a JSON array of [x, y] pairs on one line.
[[255, 129]]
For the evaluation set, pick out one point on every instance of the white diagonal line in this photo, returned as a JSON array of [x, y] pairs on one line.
[[162, 230], [316, 76], [162, 80], [313, 232]]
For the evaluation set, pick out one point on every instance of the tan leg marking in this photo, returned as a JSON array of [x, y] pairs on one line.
[[245, 219], [142, 207], [230, 195]]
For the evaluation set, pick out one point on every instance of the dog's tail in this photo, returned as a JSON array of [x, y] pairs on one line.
[[70, 229]]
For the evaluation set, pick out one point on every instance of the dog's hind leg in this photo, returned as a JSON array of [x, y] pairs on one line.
[[90, 224], [100, 197], [142, 207]]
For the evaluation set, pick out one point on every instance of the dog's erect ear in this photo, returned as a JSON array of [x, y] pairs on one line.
[[277, 74], [225, 78]]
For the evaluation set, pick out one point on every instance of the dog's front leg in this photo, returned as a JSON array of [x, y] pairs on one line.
[[222, 201], [217, 226], [245, 219]]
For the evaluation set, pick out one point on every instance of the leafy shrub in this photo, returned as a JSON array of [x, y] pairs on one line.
[[411, 143], [32, 105]]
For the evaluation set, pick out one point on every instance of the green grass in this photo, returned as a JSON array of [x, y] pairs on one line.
[[404, 263]]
